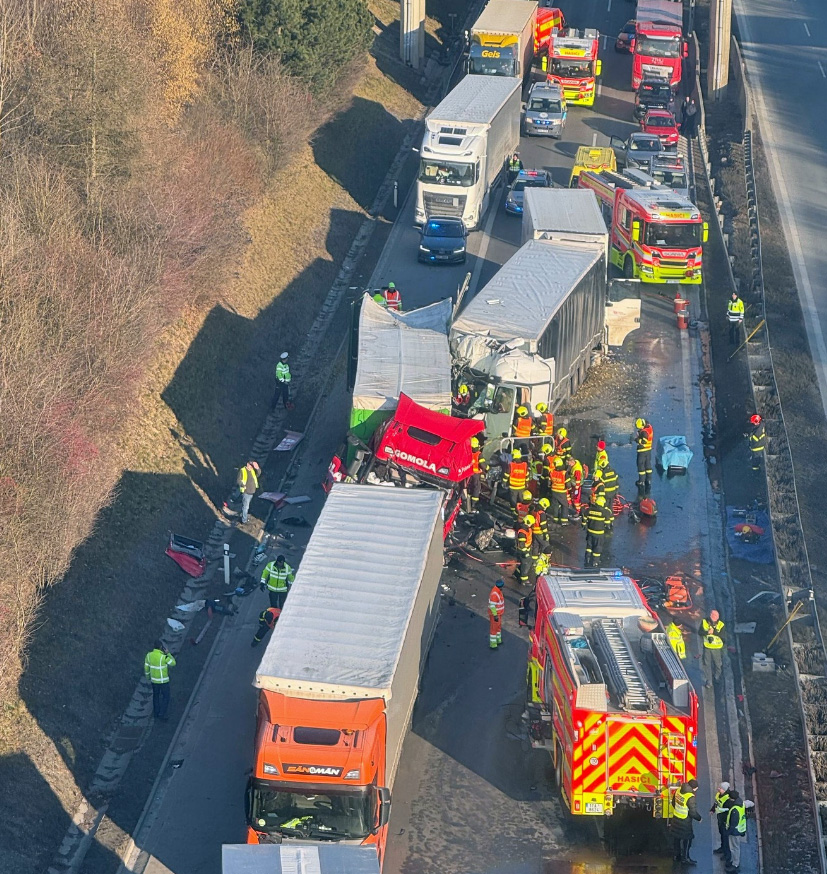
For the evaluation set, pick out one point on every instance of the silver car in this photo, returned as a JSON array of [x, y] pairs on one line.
[[545, 110], [638, 150]]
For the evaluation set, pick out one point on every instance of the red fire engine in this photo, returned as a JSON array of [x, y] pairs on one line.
[[608, 697]]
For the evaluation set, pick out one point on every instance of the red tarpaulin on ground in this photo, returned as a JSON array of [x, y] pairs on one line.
[[430, 442]]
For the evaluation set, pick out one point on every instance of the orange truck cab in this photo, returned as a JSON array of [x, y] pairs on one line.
[[607, 696], [656, 234], [338, 680]]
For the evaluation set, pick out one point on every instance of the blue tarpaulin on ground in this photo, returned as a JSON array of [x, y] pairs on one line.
[[673, 452], [760, 552]]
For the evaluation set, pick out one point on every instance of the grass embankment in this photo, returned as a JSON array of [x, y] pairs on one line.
[[204, 402]]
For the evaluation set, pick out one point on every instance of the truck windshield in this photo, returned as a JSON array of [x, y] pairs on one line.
[[313, 812], [670, 179], [571, 67], [544, 104], [446, 173], [673, 236], [492, 66], [658, 47]]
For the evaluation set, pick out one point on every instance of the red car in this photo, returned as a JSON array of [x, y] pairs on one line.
[[662, 124]]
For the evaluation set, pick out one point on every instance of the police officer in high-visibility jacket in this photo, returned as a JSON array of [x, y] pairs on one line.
[[676, 641], [644, 438], [757, 440], [283, 380], [266, 622], [735, 317], [595, 522], [496, 608], [720, 811], [157, 663], [713, 637], [736, 826], [684, 811], [276, 579]]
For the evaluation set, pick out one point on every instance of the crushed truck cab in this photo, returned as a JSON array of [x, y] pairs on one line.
[[607, 696]]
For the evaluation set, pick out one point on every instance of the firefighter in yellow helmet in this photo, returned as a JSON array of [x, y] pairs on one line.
[[595, 523], [522, 423], [517, 477], [543, 421], [562, 444]]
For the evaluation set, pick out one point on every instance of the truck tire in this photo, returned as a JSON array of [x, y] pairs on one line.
[[629, 267]]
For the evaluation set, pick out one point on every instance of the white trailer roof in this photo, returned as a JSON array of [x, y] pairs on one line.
[[573, 210], [660, 11], [598, 595], [343, 626], [504, 16], [476, 100], [403, 352], [297, 858], [526, 292]]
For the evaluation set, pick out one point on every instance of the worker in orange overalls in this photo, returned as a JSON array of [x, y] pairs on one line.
[[560, 491], [496, 608], [522, 423], [575, 470]]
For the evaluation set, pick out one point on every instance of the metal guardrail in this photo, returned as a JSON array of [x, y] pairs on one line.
[[791, 558]]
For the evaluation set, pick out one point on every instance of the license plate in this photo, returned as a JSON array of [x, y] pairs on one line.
[[441, 257], [594, 807], [673, 281]]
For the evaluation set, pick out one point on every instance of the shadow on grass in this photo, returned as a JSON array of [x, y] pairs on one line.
[[365, 129], [19, 776]]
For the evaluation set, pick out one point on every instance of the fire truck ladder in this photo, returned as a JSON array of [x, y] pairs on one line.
[[623, 673], [672, 768]]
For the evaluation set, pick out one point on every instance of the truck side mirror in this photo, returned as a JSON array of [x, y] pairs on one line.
[[384, 806], [636, 231], [705, 236], [248, 801], [598, 66], [685, 52], [544, 64]]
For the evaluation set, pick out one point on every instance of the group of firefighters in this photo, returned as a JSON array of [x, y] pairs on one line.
[[544, 481]]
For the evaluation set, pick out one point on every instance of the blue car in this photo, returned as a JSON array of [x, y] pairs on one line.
[[525, 179], [442, 240]]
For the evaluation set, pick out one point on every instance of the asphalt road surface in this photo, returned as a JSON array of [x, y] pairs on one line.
[[471, 795], [785, 49]]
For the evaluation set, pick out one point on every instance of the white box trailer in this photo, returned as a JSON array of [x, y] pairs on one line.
[[502, 39], [468, 139], [565, 215], [298, 858], [533, 328], [360, 617]]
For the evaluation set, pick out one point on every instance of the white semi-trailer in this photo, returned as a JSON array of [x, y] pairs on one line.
[[467, 141]]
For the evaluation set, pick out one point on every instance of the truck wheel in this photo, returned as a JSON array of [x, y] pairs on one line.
[[629, 267]]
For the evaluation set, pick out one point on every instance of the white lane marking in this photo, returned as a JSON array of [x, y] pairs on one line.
[[594, 139], [806, 28], [489, 226], [605, 42], [609, 7], [599, 88], [821, 67]]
